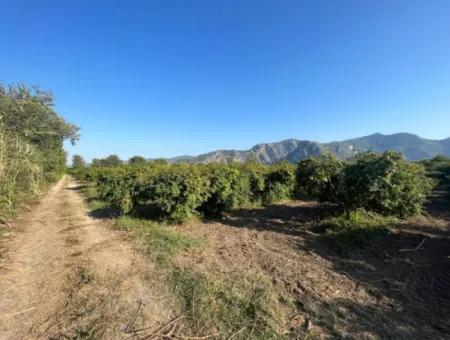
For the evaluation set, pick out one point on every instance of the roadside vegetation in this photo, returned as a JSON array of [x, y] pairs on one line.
[[31, 145]]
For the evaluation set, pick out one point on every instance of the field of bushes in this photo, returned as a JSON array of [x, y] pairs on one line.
[[218, 272], [385, 184]]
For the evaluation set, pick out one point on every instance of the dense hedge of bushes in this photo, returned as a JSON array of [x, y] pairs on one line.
[[31, 144], [181, 191], [383, 183]]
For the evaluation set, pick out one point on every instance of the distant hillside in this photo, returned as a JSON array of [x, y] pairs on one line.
[[412, 146]]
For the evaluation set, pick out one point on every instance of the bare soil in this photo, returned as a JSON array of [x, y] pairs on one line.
[[66, 275], [396, 288]]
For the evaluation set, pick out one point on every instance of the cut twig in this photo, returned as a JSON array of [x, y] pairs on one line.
[[414, 249], [128, 328], [157, 331]]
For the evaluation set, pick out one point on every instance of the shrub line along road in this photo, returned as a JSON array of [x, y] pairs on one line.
[[66, 273]]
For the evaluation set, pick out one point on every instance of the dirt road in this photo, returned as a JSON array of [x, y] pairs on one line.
[[67, 275]]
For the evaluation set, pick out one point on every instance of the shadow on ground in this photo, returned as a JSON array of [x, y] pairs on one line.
[[407, 271]]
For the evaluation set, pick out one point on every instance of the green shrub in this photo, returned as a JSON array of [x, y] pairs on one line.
[[438, 168], [279, 183], [228, 188], [179, 191], [321, 177], [387, 184], [256, 176], [384, 183]]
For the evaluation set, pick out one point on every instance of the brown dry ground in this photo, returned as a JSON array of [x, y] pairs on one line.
[[379, 292], [66, 275], [69, 273]]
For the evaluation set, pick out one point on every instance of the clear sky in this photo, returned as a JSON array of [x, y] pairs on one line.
[[166, 78]]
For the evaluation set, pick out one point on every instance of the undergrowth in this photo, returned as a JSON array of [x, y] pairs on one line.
[[159, 240], [239, 307], [356, 230]]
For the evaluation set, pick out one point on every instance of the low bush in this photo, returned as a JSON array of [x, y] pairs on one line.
[[279, 183], [228, 188], [178, 192]]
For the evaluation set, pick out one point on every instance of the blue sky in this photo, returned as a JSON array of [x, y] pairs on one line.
[[166, 78]]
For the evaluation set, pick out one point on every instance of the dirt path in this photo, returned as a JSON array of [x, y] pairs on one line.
[[67, 275]]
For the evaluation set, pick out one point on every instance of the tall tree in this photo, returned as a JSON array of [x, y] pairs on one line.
[[111, 160], [78, 162], [30, 113], [137, 160]]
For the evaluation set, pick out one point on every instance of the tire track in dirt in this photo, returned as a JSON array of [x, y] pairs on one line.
[[69, 275]]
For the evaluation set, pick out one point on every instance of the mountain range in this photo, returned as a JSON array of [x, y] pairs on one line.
[[412, 146]]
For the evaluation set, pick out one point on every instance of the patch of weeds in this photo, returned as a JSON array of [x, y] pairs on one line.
[[356, 230], [98, 207], [320, 319], [83, 276], [97, 204], [85, 333], [90, 192], [160, 240], [238, 307]]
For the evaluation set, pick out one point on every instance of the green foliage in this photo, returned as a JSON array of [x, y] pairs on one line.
[[78, 162], [438, 168], [228, 188], [159, 240], [179, 191], [21, 171], [137, 160], [111, 160], [279, 183], [383, 183], [320, 176], [31, 144], [356, 230], [182, 191], [29, 113], [386, 184]]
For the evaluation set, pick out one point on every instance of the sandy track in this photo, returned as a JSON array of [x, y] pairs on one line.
[[68, 275]]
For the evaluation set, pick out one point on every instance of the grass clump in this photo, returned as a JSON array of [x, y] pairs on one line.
[[356, 230], [245, 308], [92, 198], [160, 240]]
